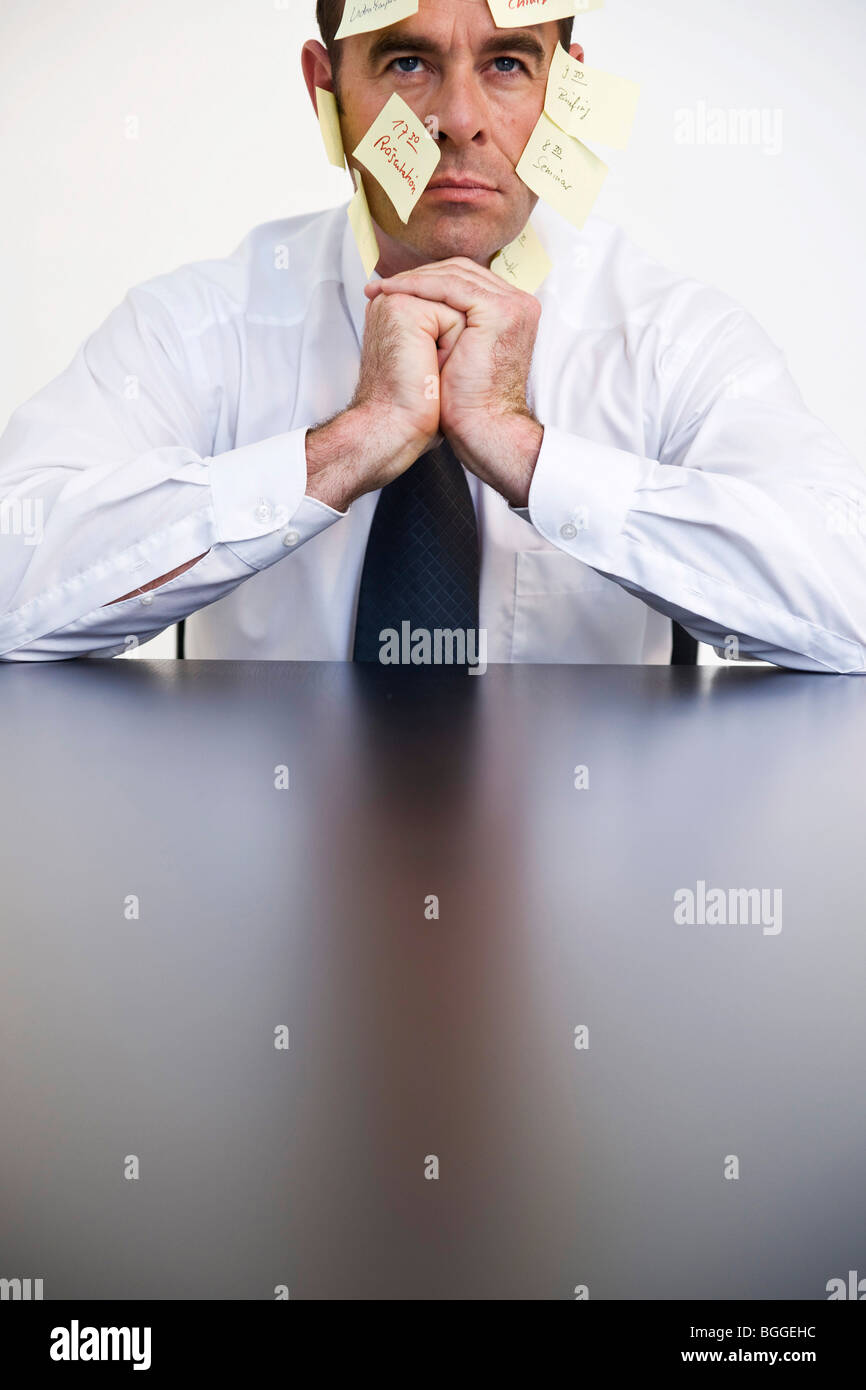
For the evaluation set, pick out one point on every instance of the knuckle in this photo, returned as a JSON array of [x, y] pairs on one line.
[[391, 305]]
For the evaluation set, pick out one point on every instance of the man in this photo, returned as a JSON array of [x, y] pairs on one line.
[[309, 464]]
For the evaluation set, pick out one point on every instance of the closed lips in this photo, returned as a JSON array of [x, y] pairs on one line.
[[461, 183]]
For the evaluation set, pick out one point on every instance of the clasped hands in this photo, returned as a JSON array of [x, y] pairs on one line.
[[447, 352]]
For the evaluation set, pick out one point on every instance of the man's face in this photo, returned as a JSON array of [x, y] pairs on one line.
[[484, 87]]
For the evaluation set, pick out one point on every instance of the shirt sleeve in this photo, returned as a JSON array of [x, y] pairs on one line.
[[108, 482], [750, 524]]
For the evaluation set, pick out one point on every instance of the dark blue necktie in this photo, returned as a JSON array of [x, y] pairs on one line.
[[422, 560]]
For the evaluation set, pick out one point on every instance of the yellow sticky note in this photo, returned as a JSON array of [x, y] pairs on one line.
[[514, 14], [562, 171], [400, 153], [362, 16], [524, 261], [329, 124], [588, 103], [362, 226]]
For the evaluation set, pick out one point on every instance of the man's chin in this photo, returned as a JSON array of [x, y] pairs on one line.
[[468, 234]]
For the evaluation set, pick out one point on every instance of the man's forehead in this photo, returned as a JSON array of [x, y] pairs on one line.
[[457, 9], [444, 15]]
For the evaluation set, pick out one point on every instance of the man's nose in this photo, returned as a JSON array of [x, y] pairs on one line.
[[462, 112]]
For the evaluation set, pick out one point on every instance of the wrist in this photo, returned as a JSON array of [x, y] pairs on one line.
[[503, 451], [330, 472], [358, 451], [343, 453]]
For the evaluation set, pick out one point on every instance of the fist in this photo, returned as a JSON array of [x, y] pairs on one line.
[[407, 342]]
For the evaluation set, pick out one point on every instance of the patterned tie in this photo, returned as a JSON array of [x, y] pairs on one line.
[[422, 560]]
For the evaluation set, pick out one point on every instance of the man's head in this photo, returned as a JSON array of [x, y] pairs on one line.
[[482, 88]]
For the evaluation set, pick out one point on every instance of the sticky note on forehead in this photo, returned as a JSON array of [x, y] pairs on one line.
[[523, 262], [329, 123], [588, 103], [562, 171], [400, 153], [514, 14], [362, 16]]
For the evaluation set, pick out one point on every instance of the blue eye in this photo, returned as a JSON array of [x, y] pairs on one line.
[[410, 60]]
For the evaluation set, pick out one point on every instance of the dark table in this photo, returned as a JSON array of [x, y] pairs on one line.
[[167, 908]]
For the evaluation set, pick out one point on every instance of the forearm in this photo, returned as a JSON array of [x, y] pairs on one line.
[[337, 456], [724, 555], [157, 583], [120, 552]]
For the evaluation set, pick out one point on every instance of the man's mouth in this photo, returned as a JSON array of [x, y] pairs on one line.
[[460, 188]]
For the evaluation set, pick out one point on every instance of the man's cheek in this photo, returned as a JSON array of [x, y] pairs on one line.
[[511, 142], [382, 210]]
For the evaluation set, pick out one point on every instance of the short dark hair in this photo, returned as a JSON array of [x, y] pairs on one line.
[[330, 12]]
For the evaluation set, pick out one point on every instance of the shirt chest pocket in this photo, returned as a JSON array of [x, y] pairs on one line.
[[565, 612]]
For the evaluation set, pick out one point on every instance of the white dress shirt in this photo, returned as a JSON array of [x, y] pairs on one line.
[[680, 475]]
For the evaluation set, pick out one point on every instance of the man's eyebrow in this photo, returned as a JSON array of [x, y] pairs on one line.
[[401, 41]]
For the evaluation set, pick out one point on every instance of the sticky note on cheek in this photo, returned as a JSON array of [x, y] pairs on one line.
[[588, 103], [523, 262], [329, 124], [562, 171], [362, 227], [400, 153], [362, 16], [514, 14]]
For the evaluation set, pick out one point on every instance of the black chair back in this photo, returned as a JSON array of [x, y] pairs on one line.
[[685, 648]]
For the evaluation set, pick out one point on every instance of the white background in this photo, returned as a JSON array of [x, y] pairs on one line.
[[227, 139]]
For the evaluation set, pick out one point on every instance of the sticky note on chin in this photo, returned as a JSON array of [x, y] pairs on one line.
[[329, 124], [513, 14], [400, 153], [562, 171], [523, 262], [362, 228], [590, 104], [362, 16]]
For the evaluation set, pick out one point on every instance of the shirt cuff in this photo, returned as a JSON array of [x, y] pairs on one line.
[[260, 508], [581, 494]]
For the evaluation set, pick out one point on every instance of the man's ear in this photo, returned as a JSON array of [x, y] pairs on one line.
[[576, 51], [316, 67]]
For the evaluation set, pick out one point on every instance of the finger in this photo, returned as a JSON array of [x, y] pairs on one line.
[[484, 280], [461, 265], [454, 290], [481, 273], [433, 315], [443, 324], [449, 339]]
